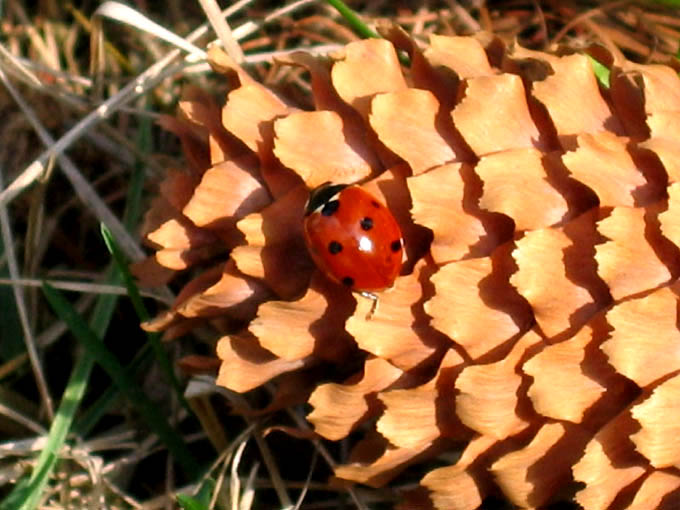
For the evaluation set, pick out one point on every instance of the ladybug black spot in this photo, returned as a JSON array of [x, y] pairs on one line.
[[396, 245], [348, 281], [329, 208], [375, 204], [366, 223], [334, 247]]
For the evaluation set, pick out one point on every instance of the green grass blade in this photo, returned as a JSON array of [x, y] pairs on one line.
[[602, 73], [26, 493], [129, 388], [31, 491], [104, 308], [361, 28], [200, 501], [102, 405], [20, 494], [352, 19], [133, 205], [101, 318], [138, 304], [121, 266], [190, 503], [131, 217]]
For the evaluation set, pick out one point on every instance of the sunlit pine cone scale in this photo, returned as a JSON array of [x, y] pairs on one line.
[[534, 326]]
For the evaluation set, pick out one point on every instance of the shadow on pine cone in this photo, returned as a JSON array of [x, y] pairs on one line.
[[535, 321]]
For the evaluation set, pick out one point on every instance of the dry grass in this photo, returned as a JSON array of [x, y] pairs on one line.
[[78, 102]]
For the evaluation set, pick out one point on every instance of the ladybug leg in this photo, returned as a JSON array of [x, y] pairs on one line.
[[374, 306]]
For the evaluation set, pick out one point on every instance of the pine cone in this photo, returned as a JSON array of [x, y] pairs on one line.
[[534, 326]]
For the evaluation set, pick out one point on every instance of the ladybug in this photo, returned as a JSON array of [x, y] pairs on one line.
[[353, 238]]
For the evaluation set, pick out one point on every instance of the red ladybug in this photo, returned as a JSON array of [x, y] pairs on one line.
[[353, 238]]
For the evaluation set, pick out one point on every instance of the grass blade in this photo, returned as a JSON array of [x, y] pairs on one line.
[[200, 501], [26, 494], [352, 19], [30, 491], [129, 388], [142, 313], [602, 73]]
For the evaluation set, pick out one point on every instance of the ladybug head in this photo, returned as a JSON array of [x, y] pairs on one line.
[[321, 195]]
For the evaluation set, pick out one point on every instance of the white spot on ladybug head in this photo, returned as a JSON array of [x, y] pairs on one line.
[[365, 244]]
